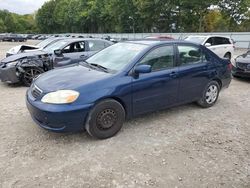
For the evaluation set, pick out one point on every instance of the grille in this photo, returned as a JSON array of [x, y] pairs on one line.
[[243, 66], [35, 91]]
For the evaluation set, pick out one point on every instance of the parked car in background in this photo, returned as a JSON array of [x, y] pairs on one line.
[[2, 37], [241, 66], [29, 36], [125, 80], [24, 67], [35, 37], [14, 38], [29, 48], [222, 46]]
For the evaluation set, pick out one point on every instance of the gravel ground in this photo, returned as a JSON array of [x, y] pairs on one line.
[[186, 146]]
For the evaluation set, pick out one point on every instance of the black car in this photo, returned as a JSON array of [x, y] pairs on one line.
[[14, 38], [24, 67], [241, 67], [2, 36]]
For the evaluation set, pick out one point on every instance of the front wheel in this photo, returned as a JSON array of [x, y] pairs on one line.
[[29, 74], [210, 95], [105, 119]]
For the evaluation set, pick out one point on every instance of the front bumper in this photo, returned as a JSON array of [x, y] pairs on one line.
[[241, 73], [58, 118], [8, 74]]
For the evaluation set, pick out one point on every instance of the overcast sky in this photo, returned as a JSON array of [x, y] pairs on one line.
[[21, 6]]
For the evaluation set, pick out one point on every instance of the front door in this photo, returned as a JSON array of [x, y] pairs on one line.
[[71, 54], [158, 89]]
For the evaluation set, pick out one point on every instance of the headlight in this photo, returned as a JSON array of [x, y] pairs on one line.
[[61, 97], [12, 64]]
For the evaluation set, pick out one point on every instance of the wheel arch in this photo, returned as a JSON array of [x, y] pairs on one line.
[[117, 99], [218, 81], [229, 54]]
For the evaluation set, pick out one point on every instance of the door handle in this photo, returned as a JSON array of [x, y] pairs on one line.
[[83, 56]]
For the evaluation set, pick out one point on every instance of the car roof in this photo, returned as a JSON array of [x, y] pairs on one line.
[[207, 36], [155, 42], [82, 39]]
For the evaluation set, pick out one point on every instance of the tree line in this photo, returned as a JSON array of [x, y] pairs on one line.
[[14, 23], [127, 16]]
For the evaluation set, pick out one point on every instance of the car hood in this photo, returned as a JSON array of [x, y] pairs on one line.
[[243, 60], [16, 49], [21, 56], [72, 77]]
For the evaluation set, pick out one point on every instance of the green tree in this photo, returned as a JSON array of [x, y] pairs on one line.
[[45, 17], [2, 26]]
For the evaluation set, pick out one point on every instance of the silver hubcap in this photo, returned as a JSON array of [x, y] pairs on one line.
[[211, 95]]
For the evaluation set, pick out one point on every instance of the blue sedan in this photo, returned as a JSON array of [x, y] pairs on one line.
[[124, 81]]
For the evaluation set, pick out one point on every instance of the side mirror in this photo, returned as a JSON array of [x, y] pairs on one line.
[[58, 52], [142, 69], [208, 44]]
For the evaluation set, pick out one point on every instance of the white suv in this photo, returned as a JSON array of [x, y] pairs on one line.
[[222, 46]]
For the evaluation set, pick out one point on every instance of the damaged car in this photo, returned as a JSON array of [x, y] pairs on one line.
[[29, 48], [24, 67]]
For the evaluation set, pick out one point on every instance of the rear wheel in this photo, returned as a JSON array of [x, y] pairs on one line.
[[105, 119], [210, 95], [30, 74]]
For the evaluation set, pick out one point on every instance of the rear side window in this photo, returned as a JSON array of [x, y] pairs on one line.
[[221, 41], [96, 45], [189, 55], [160, 58]]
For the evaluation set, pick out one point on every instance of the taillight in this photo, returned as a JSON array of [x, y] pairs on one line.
[[230, 66]]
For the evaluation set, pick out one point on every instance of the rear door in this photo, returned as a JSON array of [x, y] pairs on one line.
[[195, 71], [158, 89]]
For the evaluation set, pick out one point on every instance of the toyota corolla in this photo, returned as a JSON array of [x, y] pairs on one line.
[[124, 81]]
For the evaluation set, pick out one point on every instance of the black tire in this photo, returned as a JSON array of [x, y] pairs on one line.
[[106, 119], [210, 96], [228, 56], [29, 74]]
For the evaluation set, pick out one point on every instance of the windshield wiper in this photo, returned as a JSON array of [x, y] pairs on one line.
[[94, 66], [99, 66]]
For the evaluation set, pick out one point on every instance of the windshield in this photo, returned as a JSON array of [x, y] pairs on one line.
[[117, 56], [44, 43], [55, 46], [198, 40]]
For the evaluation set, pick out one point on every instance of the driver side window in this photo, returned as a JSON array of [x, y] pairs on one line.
[[74, 47], [66, 49], [210, 41], [160, 58]]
